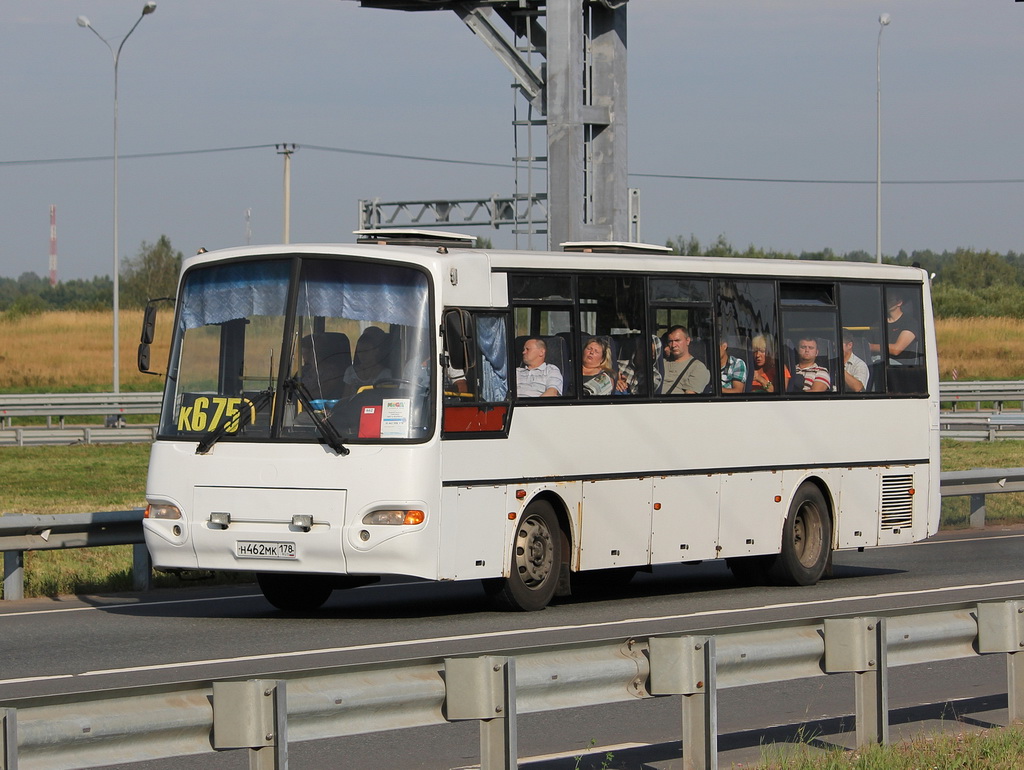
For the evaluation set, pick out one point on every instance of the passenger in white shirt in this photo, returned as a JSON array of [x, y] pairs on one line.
[[855, 370], [536, 377]]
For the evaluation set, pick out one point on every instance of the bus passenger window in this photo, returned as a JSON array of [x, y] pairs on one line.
[[610, 319], [860, 315], [748, 327], [905, 369], [542, 353]]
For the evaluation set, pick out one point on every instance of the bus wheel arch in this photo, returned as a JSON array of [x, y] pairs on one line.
[[538, 559], [806, 548]]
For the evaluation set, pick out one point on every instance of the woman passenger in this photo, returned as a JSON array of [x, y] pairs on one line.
[[765, 375], [598, 372]]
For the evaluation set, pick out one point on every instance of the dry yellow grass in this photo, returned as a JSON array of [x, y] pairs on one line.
[[981, 348], [70, 351]]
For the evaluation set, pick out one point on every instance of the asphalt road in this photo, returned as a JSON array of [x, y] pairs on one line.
[[96, 642]]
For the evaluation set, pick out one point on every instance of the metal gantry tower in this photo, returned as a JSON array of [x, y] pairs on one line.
[[568, 59]]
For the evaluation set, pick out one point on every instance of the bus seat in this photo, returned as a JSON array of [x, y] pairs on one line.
[[326, 357], [558, 355]]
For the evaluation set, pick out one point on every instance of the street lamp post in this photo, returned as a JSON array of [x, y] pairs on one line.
[[147, 9], [883, 22], [287, 150]]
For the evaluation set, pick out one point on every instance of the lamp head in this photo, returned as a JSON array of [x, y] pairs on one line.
[[83, 22], [884, 19], [151, 6]]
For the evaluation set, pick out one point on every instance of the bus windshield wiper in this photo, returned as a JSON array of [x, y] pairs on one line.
[[327, 430], [245, 416]]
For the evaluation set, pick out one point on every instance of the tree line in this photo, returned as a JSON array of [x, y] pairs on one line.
[[967, 283], [152, 272]]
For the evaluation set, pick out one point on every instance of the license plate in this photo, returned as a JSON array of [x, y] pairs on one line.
[[259, 549]]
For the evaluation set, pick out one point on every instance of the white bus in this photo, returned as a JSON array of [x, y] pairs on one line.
[[338, 413]]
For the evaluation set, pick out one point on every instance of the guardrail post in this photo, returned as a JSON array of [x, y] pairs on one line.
[[484, 689], [142, 568], [8, 739], [252, 715], [978, 511], [14, 575], [686, 665], [1001, 629], [858, 645]]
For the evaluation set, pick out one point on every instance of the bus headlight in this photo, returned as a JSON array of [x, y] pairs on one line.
[[394, 517], [162, 511]]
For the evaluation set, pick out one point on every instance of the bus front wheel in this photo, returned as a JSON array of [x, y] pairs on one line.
[[536, 561], [806, 540], [294, 592]]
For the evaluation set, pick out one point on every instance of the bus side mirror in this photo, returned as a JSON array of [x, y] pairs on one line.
[[148, 332], [144, 358], [459, 340], [148, 323]]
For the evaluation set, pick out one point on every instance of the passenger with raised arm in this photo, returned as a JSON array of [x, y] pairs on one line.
[[855, 370], [536, 377], [734, 370], [598, 372], [903, 331], [809, 377], [684, 373]]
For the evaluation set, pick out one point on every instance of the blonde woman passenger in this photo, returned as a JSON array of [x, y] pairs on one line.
[[765, 376], [598, 371]]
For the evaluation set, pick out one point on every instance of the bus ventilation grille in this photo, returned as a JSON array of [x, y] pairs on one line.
[[897, 502]]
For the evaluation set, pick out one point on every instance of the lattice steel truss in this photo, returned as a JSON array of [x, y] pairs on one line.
[[568, 59]]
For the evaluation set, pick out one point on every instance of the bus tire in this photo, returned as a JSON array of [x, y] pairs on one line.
[[806, 540], [536, 561], [294, 592]]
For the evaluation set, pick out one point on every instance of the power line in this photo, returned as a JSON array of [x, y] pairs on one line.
[[457, 161], [824, 181]]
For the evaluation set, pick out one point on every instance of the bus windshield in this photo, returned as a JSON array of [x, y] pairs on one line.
[[301, 349]]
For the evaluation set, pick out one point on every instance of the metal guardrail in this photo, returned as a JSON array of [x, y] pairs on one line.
[[262, 716], [81, 434], [975, 393], [977, 484], [62, 405], [20, 532]]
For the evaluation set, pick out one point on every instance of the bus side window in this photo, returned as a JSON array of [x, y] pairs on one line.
[[861, 317], [905, 367]]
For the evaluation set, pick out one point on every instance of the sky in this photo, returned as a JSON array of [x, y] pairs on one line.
[[751, 89]]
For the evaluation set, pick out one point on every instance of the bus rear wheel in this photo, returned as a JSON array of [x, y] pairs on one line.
[[536, 561], [806, 540], [294, 592]]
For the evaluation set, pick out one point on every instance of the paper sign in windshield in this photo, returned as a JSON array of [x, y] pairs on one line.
[[394, 419]]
